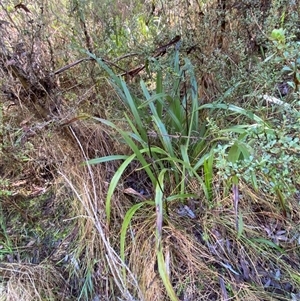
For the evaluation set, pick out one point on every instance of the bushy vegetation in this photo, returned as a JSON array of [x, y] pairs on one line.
[[150, 150]]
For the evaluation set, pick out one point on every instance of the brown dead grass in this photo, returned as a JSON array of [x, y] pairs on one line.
[[33, 282]]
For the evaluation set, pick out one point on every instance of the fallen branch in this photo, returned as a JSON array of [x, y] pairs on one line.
[[133, 72]]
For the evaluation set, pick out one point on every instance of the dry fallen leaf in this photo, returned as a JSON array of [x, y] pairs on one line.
[[131, 191]]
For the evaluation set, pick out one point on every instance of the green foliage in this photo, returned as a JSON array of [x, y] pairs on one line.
[[266, 158], [174, 135], [4, 188], [87, 288], [170, 141], [162, 144], [159, 203], [173, 125], [208, 175], [5, 242], [287, 50], [278, 36], [126, 222]]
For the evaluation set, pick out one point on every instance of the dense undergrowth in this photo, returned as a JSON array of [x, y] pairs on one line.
[[150, 150]]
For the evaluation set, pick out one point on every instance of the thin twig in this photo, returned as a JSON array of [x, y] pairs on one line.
[[71, 65], [125, 56], [82, 60]]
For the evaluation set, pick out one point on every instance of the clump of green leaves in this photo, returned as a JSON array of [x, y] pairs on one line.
[[170, 140], [4, 188], [287, 50], [269, 158], [164, 125], [161, 128]]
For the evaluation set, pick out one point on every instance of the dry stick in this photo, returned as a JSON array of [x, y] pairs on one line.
[[125, 56], [159, 52], [82, 60], [113, 64], [70, 66]]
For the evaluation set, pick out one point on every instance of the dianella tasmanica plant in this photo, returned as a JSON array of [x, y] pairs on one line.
[[166, 137], [169, 136]]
